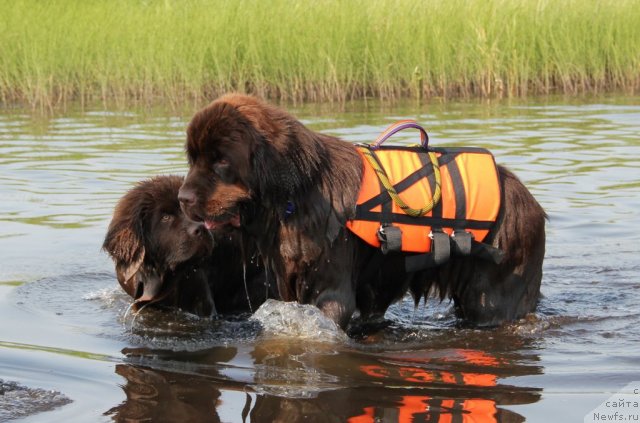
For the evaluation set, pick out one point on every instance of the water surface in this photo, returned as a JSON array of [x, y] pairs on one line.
[[64, 327]]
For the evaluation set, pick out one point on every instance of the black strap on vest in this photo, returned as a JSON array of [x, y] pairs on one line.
[[458, 189], [440, 246], [460, 239], [426, 220], [461, 242], [487, 252], [390, 236]]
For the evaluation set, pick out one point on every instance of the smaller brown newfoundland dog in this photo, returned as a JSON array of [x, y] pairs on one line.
[[164, 259], [257, 168]]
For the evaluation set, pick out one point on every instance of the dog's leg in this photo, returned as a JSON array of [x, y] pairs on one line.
[[337, 305], [330, 284], [381, 282], [487, 294]]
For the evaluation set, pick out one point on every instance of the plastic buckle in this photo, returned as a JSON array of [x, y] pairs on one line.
[[390, 238], [440, 246], [461, 242]]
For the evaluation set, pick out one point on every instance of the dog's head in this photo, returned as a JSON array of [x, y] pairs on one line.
[[150, 236], [242, 150]]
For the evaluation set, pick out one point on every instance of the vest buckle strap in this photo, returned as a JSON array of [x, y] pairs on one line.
[[461, 242], [390, 237], [440, 246], [487, 252]]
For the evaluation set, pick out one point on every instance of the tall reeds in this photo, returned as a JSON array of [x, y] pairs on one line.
[[119, 51]]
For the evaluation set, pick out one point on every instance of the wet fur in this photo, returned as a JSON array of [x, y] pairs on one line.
[[174, 258], [274, 164]]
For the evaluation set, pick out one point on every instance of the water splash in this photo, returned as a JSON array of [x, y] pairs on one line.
[[290, 319]]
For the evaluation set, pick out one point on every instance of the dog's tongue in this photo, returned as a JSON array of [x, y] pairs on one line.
[[151, 291]]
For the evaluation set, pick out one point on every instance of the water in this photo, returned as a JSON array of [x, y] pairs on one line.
[[64, 332]]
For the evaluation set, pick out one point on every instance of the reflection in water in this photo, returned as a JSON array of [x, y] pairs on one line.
[[156, 395], [452, 395], [289, 381]]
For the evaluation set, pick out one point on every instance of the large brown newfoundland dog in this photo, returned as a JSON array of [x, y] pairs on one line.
[[255, 167], [164, 259]]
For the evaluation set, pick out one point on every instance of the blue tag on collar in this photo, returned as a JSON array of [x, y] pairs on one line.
[[290, 209]]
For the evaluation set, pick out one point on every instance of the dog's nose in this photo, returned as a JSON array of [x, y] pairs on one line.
[[196, 230], [187, 197]]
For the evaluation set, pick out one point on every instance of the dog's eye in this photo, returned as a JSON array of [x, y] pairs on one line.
[[222, 168], [166, 218]]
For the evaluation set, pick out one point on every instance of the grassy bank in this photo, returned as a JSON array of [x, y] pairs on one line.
[[119, 51]]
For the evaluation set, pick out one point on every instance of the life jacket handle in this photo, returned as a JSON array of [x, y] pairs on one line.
[[399, 126]]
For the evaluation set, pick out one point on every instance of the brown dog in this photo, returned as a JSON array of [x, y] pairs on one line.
[[255, 167], [165, 259]]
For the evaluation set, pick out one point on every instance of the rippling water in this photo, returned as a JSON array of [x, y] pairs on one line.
[[64, 327]]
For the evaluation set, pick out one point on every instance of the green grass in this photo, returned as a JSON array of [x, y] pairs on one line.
[[175, 51]]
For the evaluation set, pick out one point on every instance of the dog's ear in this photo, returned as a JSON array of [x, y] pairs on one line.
[[125, 246], [124, 241], [288, 166], [275, 179]]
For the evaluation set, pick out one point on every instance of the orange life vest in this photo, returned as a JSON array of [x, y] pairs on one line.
[[470, 194]]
